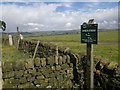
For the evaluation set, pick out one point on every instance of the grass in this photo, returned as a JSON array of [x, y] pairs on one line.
[[10, 53], [106, 50], [102, 36], [69, 37], [108, 36]]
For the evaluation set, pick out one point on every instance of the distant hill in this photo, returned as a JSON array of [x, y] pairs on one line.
[[49, 32], [44, 33]]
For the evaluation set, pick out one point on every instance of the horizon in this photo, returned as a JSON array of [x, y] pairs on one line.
[[99, 30]]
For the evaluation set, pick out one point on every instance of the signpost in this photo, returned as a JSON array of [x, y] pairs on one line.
[[89, 35]]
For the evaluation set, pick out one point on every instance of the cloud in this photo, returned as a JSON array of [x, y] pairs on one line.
[[67, 5], [32, 24], [42, 16], [68, 25]]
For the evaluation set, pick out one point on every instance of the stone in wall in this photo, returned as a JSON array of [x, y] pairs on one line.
[[7, 66], [58, 67], [29, 64], [8, 74], [68, 59], [18, 65], [64, 59], [43, 62], [60, 60], [26, 85], [37, 62], [18, 74]]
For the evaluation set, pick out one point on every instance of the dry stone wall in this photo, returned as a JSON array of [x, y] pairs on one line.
[[40, 72], [45, 71], [52, 70]]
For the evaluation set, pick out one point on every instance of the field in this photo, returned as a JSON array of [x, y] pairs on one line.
[[10, 53], [102, 36], [107, 46]]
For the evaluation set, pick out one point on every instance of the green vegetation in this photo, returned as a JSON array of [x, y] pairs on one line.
[[69, 37], [106, 49], [102, 36], [10, 53], [108, 36]]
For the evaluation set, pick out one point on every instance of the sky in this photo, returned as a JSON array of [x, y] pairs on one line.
[[48, 16]]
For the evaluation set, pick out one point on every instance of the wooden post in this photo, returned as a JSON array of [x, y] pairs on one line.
[[90, 63], [10, 40], [36, 49], [56, 56], [90, 67], [20, 37], [1, 80], [89, 36], [18, 43]]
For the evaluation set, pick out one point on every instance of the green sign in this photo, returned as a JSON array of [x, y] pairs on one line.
[[89, 33]]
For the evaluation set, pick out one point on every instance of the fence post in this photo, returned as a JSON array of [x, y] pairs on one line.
[[10, 40], [89, 35], [36, 49], [1, 81], [90, 67], [18, 42], [56, 55]]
